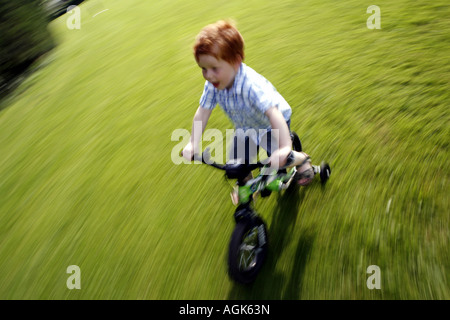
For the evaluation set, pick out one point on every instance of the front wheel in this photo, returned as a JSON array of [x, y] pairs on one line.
[[247, 250]]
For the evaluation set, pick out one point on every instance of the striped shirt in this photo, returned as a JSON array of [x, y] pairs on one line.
[[246, 102]]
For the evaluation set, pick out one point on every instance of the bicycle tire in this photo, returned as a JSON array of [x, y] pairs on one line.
[[247, 250], [325, 172]]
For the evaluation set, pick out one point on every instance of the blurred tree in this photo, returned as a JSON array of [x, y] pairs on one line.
[[23, 38]]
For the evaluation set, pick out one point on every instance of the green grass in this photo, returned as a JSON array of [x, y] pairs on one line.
[[86, 176]]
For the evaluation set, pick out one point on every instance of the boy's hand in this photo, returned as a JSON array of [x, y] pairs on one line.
[[200, 120], [188, 152]]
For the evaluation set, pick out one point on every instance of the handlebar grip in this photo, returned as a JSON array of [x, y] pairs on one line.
[[192, 158]]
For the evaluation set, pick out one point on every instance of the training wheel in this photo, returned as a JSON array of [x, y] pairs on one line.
[[325, 172]]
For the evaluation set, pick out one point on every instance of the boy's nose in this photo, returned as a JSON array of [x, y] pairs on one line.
[[208, 75]]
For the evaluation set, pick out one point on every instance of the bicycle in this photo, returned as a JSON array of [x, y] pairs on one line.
[[249, 241]]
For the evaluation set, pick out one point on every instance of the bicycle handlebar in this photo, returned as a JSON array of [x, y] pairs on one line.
[[205, 158]]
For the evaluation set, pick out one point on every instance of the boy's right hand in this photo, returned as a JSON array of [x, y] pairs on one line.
[[188, 152]]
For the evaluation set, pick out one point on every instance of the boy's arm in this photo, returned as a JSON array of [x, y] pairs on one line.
[[281, 132], [200, 120]]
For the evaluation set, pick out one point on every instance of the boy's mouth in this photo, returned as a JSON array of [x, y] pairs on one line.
[[215, 84]]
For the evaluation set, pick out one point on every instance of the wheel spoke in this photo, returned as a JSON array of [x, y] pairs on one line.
[[247, 259], [248, 250]]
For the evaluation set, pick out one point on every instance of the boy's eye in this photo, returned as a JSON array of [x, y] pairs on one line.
[[214, 69]]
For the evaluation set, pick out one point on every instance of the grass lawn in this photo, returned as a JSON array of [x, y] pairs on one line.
[[86, 176]]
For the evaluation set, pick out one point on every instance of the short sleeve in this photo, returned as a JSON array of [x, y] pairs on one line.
[[208, 99], [263, 96]]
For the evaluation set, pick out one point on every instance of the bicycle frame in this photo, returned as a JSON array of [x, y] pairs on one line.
[[249, 242], [271, 182], [265, 180]]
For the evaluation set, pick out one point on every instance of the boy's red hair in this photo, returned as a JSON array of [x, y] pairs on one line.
[[221, 40]]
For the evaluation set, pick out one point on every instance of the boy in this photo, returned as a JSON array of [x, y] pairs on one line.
[[248, 99]]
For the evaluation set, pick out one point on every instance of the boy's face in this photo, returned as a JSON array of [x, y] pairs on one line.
[[219, 72]]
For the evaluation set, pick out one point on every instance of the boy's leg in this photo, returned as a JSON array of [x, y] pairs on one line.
[[243, 151], [240, 154], [305, 171]]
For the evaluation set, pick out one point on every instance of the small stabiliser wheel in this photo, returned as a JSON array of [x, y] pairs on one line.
[[325, 172], [247, 250]]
